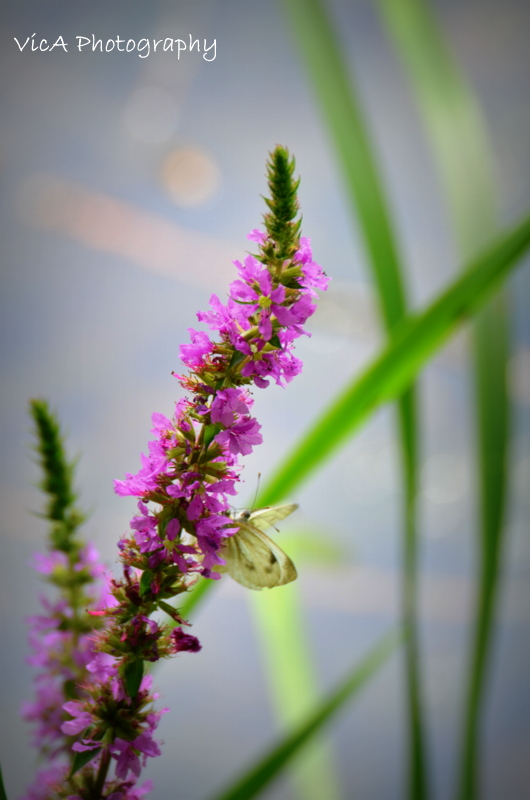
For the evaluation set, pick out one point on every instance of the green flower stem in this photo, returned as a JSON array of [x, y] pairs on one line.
[[102, 775]]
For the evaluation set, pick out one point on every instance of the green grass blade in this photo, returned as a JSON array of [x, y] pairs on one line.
[[337, 96], [451, 116], [268, 767], [491, 356], [454, 124], [293, 686], [341, 109], [399, 362], [389, 374]]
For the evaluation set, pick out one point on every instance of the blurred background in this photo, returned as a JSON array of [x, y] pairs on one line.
[[128, 186]]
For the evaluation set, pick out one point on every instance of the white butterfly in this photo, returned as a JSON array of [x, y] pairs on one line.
[[253, 559]]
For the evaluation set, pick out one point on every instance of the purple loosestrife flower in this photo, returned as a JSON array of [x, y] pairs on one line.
[[45, 782], [61, 637], [184, 484], [128, 753], [62, 645]]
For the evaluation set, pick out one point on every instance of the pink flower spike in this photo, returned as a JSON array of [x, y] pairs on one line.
[[186, 476]]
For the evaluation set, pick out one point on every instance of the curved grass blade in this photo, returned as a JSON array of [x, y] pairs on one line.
[[383, 381], [451, 116], [459, 142], [293, 686], [268, 767], [399, 362], [337, 96]]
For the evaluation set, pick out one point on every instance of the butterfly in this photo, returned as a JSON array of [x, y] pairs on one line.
[[252, 558]]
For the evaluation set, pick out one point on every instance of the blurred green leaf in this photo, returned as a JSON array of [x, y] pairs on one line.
[[399, 362], [268, 767], [132, 675], [312, 547], [451, 116], [146, 581], [80, 760], [293, 685], [382, 381], [458, 137], [333, 83]]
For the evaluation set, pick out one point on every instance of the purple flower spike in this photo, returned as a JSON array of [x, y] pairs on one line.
[[190, 470]]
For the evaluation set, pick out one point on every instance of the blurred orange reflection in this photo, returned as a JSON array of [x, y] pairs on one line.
[[116, 227]]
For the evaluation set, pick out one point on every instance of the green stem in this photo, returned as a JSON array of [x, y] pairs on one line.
[[409, 599], [469, 774], [102, 775], [491, 344]]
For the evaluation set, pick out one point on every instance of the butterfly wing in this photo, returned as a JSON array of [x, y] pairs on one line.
[[255, 561], [264, 518]]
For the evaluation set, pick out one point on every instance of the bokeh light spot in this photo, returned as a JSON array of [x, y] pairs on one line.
[[190, 176]]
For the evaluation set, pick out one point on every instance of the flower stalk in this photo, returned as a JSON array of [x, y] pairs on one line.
[[61, 637], [192, 466]]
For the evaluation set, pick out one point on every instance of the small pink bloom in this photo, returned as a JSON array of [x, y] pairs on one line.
[[257, 236], [227, 405], [82, 719], [193, 354], [241, 437]]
